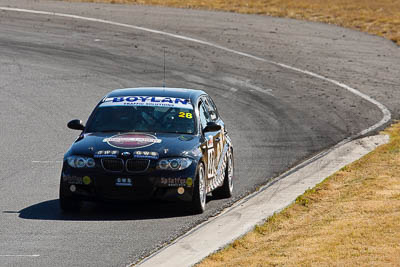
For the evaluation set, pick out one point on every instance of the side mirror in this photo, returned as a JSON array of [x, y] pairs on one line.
[[212, 127], [76, 125]]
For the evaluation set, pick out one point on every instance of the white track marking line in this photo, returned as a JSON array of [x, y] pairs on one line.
[[386, 113], [20, 255], [248, 84]]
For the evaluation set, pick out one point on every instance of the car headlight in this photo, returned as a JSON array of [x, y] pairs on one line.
[[80, 162], [174, 164]]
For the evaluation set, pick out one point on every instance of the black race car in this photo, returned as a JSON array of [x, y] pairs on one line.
[[142, 143]]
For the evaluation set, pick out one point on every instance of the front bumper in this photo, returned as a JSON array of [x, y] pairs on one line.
[[97, 184]]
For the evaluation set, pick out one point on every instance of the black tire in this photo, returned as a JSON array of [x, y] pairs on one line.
[[226, 190], [199, 191], [68, 204]]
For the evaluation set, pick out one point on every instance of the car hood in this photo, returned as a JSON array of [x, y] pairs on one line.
[[164, 144]]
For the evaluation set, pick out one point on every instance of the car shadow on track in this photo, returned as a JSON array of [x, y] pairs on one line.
[[50, 210]]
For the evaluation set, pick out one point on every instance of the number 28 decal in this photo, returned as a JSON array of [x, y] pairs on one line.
[[185, 115], [211, 157], [211, 163]]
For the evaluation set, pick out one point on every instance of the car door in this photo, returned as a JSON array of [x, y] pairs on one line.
[[219, 136], [209, 137]]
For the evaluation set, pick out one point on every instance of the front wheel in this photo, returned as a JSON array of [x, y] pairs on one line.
[[199, 191], [226, 190]]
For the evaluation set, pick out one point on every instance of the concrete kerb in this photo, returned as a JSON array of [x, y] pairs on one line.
[[241, 218]]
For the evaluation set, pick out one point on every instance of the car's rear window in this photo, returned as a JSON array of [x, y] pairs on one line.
[[143, 114]]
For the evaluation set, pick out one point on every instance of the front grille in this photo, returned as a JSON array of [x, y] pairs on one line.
[[113, 165], [137, 165]]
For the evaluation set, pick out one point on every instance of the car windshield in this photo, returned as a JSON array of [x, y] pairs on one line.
[[142, 117]]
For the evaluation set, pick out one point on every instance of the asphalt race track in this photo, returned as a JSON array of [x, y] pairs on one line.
[[53, 69]]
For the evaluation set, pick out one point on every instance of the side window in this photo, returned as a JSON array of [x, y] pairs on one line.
[[204, 115], [211, 108]]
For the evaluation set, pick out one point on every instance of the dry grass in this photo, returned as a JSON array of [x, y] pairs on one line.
[[380, 17], [351, 219]]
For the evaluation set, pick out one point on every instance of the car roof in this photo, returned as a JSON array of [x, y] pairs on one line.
[[183, 93]]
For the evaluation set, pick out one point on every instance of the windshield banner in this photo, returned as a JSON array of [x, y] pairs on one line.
[[150, 101]]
